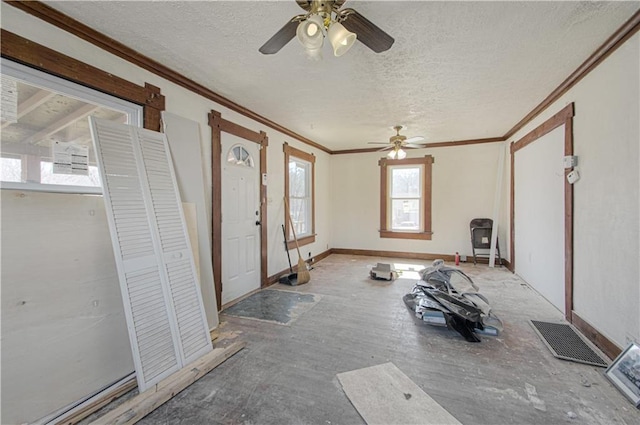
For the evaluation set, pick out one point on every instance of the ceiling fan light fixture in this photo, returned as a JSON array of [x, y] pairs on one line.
[[341, 38], [401, 154], [310, 32], [314, 54]]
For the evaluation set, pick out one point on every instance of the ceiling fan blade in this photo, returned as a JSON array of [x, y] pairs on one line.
[[414, 139], [282, 37], [385, 148], [367, 32], [413, 145], [378, 143]]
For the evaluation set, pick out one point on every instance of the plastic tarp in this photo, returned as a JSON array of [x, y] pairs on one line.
[[447, 296]]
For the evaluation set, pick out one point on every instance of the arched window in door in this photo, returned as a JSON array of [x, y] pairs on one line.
[[238, 155]]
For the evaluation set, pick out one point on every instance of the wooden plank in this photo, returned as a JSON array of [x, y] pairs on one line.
[[264, 231], [99, 403], [382, 394], [568, 224], [546, 127], [35, 55], [140, 406], [215, 118], [602, 342]]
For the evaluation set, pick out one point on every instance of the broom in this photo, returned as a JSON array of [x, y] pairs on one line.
[[303, 274]]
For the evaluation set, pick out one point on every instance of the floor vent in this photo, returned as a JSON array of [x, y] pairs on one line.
[[567, 344]]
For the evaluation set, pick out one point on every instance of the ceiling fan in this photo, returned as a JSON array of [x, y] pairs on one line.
[[341, 26], [399, 141]]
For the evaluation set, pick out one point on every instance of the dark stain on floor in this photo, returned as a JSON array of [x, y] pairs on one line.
[[273, 306]]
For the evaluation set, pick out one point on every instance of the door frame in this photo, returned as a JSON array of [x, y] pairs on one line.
[[218, 125], [564, 117]]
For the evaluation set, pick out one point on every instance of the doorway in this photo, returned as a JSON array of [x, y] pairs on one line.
[[240, 217], [255, 143], [532, 195]]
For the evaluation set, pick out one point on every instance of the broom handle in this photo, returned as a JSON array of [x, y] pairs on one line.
[[295, 239]]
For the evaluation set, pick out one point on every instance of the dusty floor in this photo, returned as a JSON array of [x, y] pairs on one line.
[[287, 373]]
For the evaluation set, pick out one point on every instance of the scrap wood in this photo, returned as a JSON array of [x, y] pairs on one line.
[[215, 334], [97, 404], [106, 398], [138, 407]]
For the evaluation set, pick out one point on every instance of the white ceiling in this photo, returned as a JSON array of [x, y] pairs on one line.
[[457, 70]]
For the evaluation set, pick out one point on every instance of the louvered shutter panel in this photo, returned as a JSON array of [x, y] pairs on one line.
[[175, 247], [164, 311]]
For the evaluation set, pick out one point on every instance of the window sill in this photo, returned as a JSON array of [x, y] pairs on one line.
[[405, 235], [305, 240], [51, 188]]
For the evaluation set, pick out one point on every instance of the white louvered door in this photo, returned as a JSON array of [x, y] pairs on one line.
[[165, 315]]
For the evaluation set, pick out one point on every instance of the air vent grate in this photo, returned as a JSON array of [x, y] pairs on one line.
[[565, 343]]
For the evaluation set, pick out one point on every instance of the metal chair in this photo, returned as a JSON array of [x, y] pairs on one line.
[[481, 229]]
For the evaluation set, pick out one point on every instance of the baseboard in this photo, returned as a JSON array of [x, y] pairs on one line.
[[387, 254], [322, 255], [409, 255], [393, 254], [607, 346], [274, 278]]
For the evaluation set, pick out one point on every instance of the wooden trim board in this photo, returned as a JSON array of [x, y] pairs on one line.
[[219, 125], [34, 55], [140, 406], [290, 151], [99, 403], [607, 346]]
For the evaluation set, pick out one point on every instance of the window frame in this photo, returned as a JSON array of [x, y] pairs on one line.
[[426, 201], [289, 152], [53, 83]]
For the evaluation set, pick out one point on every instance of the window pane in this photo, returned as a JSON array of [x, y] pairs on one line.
[[47, 176], [238, 155], [299, 174], [300, 215], [50, 115], [405, 214], [10, 169], [405, 182]]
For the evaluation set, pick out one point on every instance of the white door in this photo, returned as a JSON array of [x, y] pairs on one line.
[[539, 216], [240, 217]]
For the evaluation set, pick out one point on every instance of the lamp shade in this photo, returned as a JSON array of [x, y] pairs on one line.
[[310, 33], [397, 153], [341, 38]]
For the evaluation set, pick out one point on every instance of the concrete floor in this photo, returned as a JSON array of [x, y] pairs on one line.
[[287, 374]]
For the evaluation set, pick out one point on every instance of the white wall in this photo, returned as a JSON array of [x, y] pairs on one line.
[[63, 326], [606, 199], [464, 185], [539, 216]]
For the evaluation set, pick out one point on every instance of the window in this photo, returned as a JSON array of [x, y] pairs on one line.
[[300, 194], [405, 198], [46, 143], [238, 155]]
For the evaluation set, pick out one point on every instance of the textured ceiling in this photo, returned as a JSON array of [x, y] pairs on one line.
[[457, 70]]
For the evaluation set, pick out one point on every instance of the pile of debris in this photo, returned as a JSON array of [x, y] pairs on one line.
[[445, 296]]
